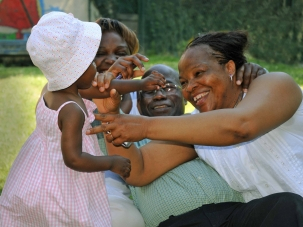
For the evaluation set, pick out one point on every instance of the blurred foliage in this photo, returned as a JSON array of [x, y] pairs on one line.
[[111, 8], [275, 26]]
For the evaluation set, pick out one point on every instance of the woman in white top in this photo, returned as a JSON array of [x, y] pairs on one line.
[[255, 142]]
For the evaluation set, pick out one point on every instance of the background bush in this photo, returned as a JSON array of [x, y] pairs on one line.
[[275, 26]]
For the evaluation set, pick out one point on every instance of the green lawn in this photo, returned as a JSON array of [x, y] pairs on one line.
[[20, 89]]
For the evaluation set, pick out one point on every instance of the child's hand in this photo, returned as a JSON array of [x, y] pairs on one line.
[[121, 166], [153, 81], [126, 65]]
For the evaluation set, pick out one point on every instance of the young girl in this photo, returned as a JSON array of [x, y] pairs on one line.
[[56, 180]]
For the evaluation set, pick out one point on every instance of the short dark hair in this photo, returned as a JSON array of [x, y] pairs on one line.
[[130, 37]]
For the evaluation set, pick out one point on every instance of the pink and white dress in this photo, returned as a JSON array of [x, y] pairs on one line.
[[42, 191]]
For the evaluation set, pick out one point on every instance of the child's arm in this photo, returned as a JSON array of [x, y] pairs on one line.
[[124, 66], [70, 122], [152, 82]]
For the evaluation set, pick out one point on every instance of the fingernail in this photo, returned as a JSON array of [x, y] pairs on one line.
[[245, 90], [143, 69], [238, 82]]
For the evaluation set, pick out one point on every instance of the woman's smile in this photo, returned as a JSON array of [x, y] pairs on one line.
[[201, 98]]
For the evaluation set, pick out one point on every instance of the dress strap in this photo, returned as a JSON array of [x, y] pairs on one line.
[[64, 104]]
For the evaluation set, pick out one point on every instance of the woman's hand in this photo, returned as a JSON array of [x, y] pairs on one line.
[[125, 66], [120, 128], [110, 104], [153, 81], [247, 73]]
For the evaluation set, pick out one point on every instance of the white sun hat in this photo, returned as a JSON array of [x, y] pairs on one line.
[[63, 47]]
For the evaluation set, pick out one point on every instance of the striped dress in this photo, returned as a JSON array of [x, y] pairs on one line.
[[42, 191]]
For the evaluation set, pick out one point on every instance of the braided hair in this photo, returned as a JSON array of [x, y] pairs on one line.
[[226, 45]]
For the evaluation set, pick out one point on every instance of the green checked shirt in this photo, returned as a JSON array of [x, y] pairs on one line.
[[182, 189]]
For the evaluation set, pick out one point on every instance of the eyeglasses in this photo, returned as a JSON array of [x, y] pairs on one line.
[[168, 89]]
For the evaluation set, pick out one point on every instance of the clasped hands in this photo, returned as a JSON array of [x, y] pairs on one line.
[[123, 66]]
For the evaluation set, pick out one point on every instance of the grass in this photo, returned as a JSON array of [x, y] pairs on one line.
[[20, 90]]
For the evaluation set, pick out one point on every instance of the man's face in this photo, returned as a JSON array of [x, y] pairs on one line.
[[163, 102]]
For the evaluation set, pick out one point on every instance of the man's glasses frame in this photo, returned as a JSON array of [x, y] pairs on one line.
[[168, 89]]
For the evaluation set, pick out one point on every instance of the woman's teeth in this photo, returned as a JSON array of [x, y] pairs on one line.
[[199, 96]]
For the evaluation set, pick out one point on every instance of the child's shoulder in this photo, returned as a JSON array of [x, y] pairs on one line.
[[56, 101]]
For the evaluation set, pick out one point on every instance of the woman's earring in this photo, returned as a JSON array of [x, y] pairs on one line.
[[231, 77]]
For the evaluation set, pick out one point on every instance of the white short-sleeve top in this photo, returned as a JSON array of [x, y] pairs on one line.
[[269, 164]]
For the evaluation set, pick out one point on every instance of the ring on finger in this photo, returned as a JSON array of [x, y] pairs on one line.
[[108, 132]]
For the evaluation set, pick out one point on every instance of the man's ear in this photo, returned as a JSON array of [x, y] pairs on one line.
[[231, 67], [138, 102]]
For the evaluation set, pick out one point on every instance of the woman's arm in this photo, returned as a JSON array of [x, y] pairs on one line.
[[152, 160], [272, 99]]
